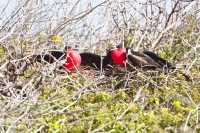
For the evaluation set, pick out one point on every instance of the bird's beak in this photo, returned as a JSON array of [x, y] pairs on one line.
[[128, 52], [119, 46], [63, 62], [113, 48]]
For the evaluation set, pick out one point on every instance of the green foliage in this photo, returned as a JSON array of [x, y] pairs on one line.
[[162, 107]]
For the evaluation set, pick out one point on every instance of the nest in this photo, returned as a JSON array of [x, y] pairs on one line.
[[24, 77]]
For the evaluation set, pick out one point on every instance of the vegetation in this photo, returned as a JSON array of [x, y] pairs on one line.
[[39, 97]]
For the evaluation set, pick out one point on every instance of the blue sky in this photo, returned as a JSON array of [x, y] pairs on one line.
[[11, 5]]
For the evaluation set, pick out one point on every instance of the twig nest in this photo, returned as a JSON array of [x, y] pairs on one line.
[[73, 59]]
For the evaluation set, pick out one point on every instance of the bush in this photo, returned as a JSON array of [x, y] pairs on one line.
[[38, 97]]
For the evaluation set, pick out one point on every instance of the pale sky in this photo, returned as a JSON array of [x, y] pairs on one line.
[[11, 4]]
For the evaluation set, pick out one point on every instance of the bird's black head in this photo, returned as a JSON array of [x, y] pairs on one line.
[[109, 51], [108, 58], [119, 46], [67, 47]]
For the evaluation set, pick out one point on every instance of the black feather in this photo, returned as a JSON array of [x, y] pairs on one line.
[[162, 62], [90, 59], [51, 56], [139, 59], [95, 61]]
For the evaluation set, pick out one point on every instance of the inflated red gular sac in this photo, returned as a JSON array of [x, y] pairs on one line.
[[118, 55], [73, 59], [70, 56]]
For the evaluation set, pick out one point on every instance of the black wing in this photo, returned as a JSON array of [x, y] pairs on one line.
[[139, 59], [162, 62]]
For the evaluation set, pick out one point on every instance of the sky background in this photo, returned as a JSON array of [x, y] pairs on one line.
[[11, 4]]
